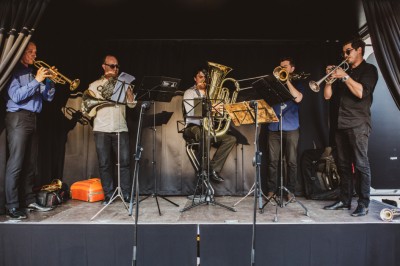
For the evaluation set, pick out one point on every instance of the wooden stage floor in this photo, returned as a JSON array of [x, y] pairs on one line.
[[78, 212]]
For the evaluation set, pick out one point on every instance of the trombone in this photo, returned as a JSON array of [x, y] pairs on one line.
[[283, 75], [314, 85], [58, 77]]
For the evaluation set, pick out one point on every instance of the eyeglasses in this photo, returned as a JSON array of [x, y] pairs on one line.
[[112, 65], [348, 51]]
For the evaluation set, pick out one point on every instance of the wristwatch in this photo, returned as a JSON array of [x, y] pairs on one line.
[[345, 78]]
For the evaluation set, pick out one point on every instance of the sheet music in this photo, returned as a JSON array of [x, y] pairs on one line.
[[119, 93]]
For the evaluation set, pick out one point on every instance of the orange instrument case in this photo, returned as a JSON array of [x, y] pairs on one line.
[[87, 190]]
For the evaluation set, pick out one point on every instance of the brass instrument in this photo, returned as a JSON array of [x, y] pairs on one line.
[[58, 77], [314, 85], [217, 94], [90, 103], [387, 214], [283, 75]]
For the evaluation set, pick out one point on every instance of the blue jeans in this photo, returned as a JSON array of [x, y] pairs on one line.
[[22, 142], [106, 146], [352, 147], [290, 140]]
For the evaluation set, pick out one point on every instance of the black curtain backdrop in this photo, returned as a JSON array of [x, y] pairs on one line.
[[177, 59], [383, 18]]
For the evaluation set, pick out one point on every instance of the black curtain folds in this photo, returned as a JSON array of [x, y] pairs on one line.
[[383, 19], [17, 24]]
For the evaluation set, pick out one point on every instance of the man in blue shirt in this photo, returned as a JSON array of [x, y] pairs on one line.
[[290, 135], [25, 93]]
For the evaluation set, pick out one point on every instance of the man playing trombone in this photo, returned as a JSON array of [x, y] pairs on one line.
[[354, 125], [290, 132], [25, 94]]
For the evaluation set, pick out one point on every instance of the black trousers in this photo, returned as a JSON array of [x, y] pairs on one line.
[[225, 144], [290, 140], [22, 142], [352, 147], [106, 146]]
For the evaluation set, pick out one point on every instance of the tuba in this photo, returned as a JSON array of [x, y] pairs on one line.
[[218, 93]]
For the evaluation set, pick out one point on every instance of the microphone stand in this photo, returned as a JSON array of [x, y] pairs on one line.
[[257, 181], [135, 185]]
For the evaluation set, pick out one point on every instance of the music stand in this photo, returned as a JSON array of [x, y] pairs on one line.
[[241, 114], [274, 92], [157, 89]]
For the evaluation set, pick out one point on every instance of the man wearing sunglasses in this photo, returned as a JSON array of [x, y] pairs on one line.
[[355, 86], [110, 120]]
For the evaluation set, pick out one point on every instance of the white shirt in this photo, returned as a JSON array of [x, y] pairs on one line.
[[109, 118]]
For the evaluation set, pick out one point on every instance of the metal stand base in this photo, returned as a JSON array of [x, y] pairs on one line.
[[156, 196], [117, 194], [278, 198], [205, 198], [252, 189]]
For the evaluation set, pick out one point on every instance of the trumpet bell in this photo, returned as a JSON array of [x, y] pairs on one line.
[[74, 84], [314, 86]]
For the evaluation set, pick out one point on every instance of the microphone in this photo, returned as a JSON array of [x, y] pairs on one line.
[[253, 104], [146, 105]]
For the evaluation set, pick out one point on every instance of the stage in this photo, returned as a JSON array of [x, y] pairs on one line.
[[68, 236]]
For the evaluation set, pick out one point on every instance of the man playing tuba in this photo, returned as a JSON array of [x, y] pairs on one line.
[[194, 126]]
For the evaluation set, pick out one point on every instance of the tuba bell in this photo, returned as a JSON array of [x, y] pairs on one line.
[[218, 93]]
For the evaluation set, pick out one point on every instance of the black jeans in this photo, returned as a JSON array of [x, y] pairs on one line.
[[106, 144], [290, 140], [22, 142], [225, 144], [352, 147]]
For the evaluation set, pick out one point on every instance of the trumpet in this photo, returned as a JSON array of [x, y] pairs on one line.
[[387, 214], [314, 85], [57, 76], [283, 75]]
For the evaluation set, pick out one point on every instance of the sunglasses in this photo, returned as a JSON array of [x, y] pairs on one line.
[[347, 52], [112, 65]]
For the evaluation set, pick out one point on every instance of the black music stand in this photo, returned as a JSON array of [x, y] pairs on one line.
[[158, 89], [241, 114], [274, 92]]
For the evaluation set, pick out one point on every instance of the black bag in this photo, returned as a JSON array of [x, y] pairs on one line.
[[48, 199], [53, 194], [320, 176]]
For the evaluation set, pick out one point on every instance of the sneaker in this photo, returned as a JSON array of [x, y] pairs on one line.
[[16, 214], [36, 207], [107, 200]]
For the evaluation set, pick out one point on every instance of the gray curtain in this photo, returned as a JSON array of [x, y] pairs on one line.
[[383, 19], [18, 22]]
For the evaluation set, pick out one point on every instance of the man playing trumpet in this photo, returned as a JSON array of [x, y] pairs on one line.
[[25, 94], [354, 125]]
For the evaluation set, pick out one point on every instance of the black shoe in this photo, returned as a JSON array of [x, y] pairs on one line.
[[36, 207], [15, 213], [339, 205], [216, 177], [106, 200], [127, 199], [361, 210]]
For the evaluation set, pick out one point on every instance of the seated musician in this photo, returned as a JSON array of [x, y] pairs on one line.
[[193, 130]]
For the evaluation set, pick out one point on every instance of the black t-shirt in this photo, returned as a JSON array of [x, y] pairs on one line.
[[354, 111]]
